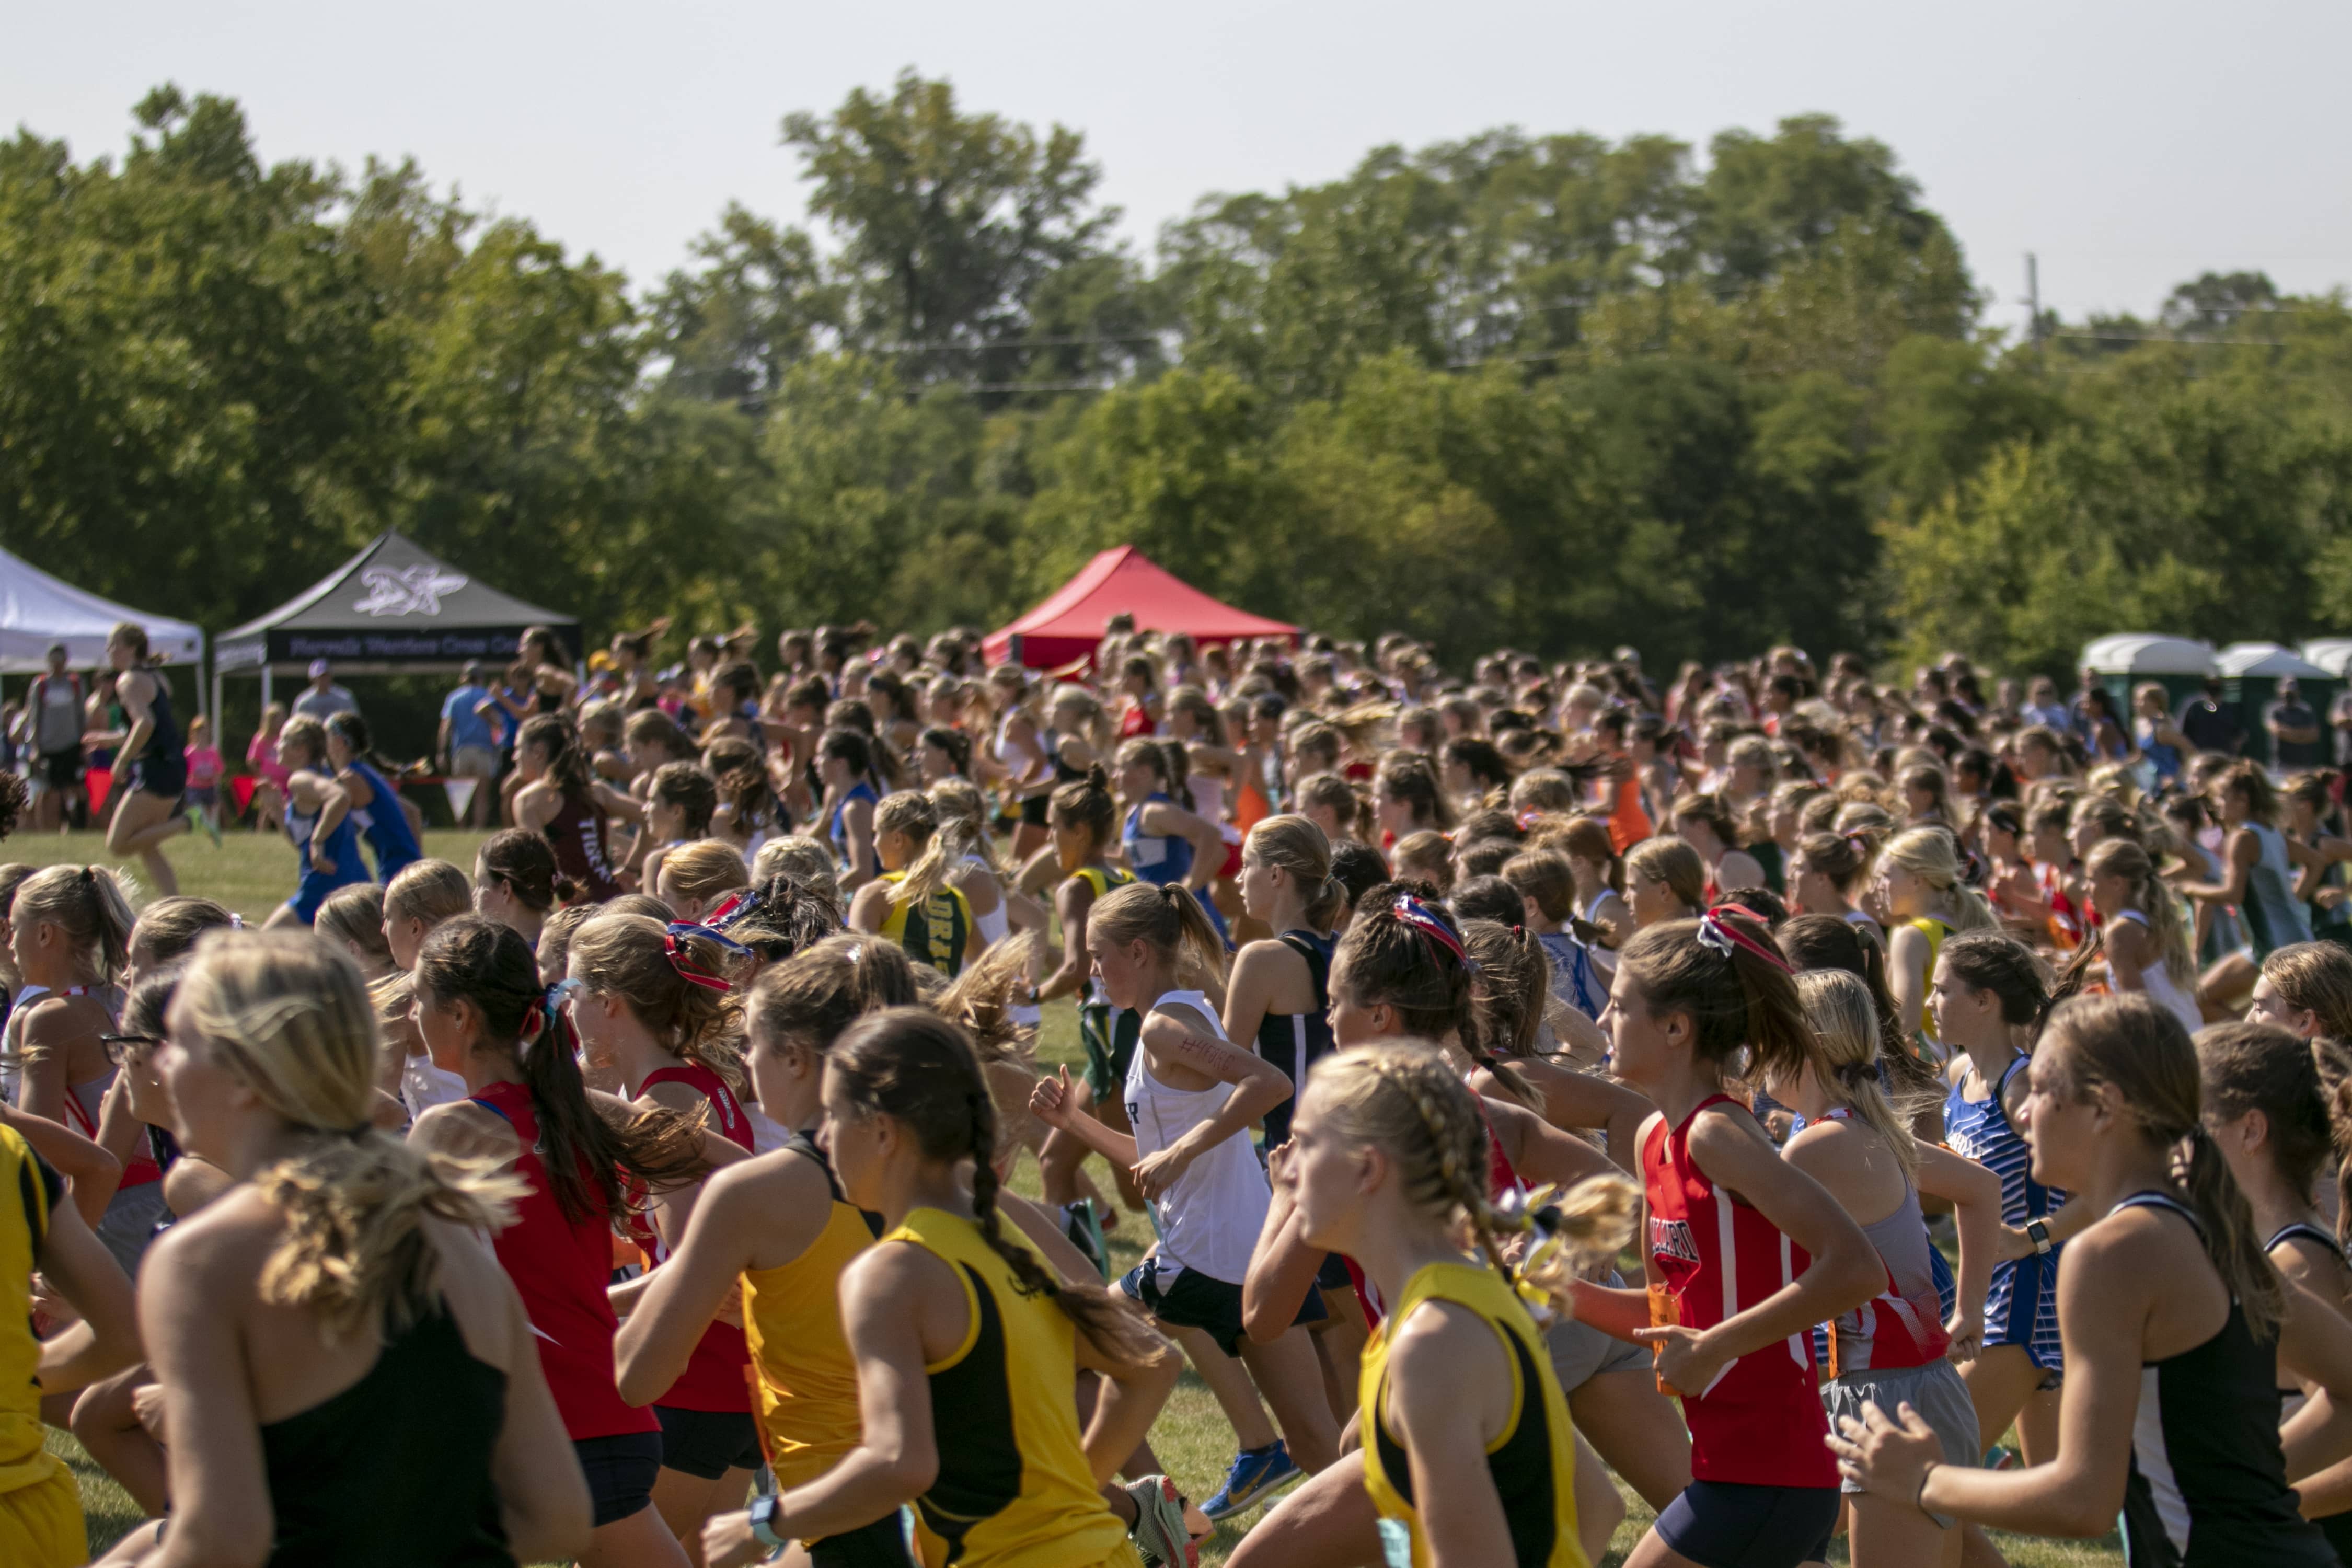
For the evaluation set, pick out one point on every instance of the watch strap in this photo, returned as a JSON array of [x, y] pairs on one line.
[[763, 1514]]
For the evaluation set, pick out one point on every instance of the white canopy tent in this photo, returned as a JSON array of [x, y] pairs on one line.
[[37, 612]]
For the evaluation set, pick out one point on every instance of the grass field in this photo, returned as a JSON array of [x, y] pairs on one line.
[[252, 873]]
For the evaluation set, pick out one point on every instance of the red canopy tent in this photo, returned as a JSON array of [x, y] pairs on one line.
[[1070, 625]]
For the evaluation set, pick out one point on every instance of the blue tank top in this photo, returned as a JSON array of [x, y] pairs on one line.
[[386, 826], [343, 845], [859, 790], [1159, 858], [1980, 1129]]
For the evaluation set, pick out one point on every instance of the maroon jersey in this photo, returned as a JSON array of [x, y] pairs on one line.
[[1760, 1423], [576, 834]]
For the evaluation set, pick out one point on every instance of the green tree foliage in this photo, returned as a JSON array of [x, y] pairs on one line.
[[1539, 389]]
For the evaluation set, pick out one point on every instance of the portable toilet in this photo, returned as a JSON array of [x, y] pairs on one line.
[[2251, 672], [2125, 660], [2331, 653]]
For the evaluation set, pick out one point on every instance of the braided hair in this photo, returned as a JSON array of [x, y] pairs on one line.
[[920, 1069]]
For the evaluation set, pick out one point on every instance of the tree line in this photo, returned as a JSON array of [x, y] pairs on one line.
[[1545, 390]]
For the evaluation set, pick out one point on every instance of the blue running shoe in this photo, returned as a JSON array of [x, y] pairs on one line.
[[1257, 1474]]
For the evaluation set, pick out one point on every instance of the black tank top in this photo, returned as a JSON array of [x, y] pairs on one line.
[[2207, 1483], [429, 1414], [1297, 1041]]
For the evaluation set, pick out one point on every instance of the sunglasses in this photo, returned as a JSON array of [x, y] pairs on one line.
[[125, 1047]]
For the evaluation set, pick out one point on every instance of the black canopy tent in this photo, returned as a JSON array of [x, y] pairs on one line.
[[391, 609]]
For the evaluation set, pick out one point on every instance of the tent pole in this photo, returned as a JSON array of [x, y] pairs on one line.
[[264, 687]]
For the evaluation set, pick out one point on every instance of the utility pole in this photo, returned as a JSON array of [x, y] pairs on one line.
[[2034, 304]]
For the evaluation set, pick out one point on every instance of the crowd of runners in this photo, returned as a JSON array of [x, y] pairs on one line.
[[1846, 1116]]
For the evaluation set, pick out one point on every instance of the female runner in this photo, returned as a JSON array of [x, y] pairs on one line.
[[1278, 998], [334, 1317], [1470, 1457], [1987, 999], [2306, 988], [1546, 883], [373, 802], [1735, 1288], [317, 821], [1407, 797], [2175, 1323], [514, 882], [681, 800], [1191, 1097], [697, 879], [2261, 864], [1828, 870], [152, 764], [1892, 1350], [70, 933], [563, 799], [912, 903], [846, 768], [1400, 975], [1665, 881], [1923, 902], [2143, 932], [1085, 819], [484, 1015], [1166, 842], [649, 1001], [966, 1343], [2266, 1107], [780, 1225], [353, 919]]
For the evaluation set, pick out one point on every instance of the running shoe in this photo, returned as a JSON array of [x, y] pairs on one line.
[[1158, 1533], [1085, 1231], [1257, 1474]]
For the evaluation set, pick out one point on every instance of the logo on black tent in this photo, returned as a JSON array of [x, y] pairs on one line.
[[406, 590]]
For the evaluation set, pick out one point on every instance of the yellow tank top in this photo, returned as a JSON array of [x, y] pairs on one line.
[[1532, 1462], [932, 930], [803, 1380], [1103, 878], [1935, 931], [27, 1188], [1014, 1486]]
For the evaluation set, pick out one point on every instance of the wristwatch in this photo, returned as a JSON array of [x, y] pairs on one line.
[[763, 1516], [2039, 1233]]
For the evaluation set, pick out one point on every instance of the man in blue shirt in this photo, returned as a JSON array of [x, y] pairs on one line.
[[469, 740]]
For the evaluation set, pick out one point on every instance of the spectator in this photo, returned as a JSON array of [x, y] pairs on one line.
[[470, 734], [323, 699], [204, 769], [2210, 725], [2295, 740], [53, 726], [2080, 718], [2340, 717], [2041, 704]]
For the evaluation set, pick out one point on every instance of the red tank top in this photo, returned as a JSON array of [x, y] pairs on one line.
[[716, 1376], [560, 1268], [576, 834], [1760, 1423]]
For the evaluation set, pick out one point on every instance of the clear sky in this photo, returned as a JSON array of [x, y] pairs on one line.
[[2131, 145]]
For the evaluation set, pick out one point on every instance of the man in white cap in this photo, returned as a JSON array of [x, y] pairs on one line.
[[322, 699]]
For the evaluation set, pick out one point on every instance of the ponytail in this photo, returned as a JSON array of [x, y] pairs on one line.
[[1088, 802], [921, 1070], [88, 905], [910, 812], [1739, 992], [588, 1158], [1169, 918]]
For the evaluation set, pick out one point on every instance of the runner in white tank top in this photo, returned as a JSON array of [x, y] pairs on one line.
[[2156, 980], [1209, 1220]]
